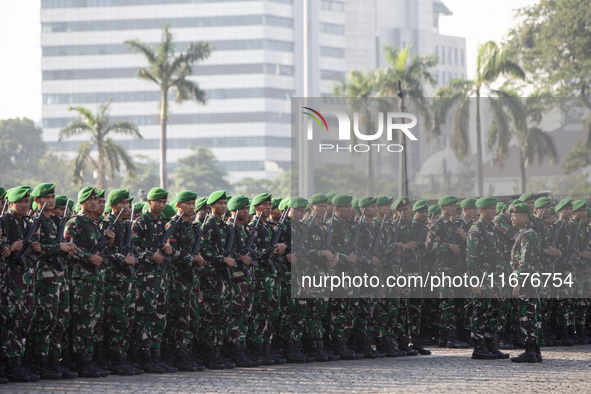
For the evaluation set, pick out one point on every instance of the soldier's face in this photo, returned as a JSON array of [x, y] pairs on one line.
[[531, 204], [122, 206], [276, 214], [519, 219], [449, 210], [371, 211], [187, 207], [319, 209], [542, 213], [488, 214], [157, 206], [329, 209], [100, 206], [421, 215], [566, 213], [470, 212], [383, 210], [22, 206], [264, 208], [48, 199], [89, 206], [580, 214], [297, 214], [59, 211], [344, 212], [405, 212], [220, 207], [243, 213]]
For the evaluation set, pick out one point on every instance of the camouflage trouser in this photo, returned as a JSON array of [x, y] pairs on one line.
[[484, 318], [178, 334], [453, 313], [364, 323], [285, 310], [506, 310], [317, 308], [194, 322], [118, 297], [580, 311], [240, 309], [87, 314], [151, 310], [214, 308], [352, 316], [386, 316], [563, 312], [529, 318], [266, 307], [52, 314], [430, 316], [18, 310], [294, 321], [337, 321], [414, 306]]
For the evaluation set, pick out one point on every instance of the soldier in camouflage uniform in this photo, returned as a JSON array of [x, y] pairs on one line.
[[581, 256], [18, 290], [483, 251], [87, 283], [183, 280], [444, 241], [525, 256], [152, 307], [119, 285], [51, 290]]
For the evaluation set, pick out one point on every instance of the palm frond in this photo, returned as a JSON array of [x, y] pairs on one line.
[[82, 158], [140, 47], [123, 128], [76, 127]]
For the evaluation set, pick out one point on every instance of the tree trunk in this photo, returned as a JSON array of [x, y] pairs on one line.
[[479, 176], [163, 120], [101, 179], [522, 171]]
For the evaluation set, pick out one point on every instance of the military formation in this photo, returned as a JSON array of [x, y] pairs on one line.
[[109, 286]]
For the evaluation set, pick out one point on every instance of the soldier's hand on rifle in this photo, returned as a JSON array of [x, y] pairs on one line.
[[585, 254], [111, 235], [16, 246], [352, 258], [199, 260], [554, 251], [245, 258], [476, 290], [455, 249], [36, 247], [96, 259], [411, 245], [334, 261], [129, 260], [326, 254], [230, 262], [460, 231], [376, 262], [157, 257], [5, 252], [280, 249], [167, 249], [68, 248]]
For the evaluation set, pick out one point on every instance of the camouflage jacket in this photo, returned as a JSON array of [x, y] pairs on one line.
[[84, 233], [563, 243], [146, 233], [525, 253], [213, 245], [183, 270], [506, 234], [47, 267], [441, 234], [411, 258], [117, 269], [341, 242], [483, 249], [262, 245], [13, 230]]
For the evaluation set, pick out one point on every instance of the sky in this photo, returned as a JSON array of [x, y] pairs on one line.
[[20, 34]]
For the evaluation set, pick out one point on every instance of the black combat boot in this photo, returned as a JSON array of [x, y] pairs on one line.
[[442, 340], [385, 347], [85, 368], [341, 349], [538, 351], [117, 367], [453, 342], [419, 348], [364, 347], [312, 350], [100, 356], [44, 370], [134, 366], [258, 352], [183, 362], [518, 339], [147, 364], [55, 364], [491, 346], [213, 359], [293, 355], [16, 372], [505, 341], [480, 352], [403, 342], [582, 334], [564, 337], [158, 361], [529, 356], [267, 348], [93, 365], [240, 358], [327, 353]]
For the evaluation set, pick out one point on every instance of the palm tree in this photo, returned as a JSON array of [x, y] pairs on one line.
[[170, 72], [491, 63], [110, 154]]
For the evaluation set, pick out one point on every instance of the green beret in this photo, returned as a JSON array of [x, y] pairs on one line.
[[542, 202], [43, 189], [238, 202], [200, 203], [564, 203], [284, 204], [447, 200], [100, 193], [157, 193], [579, 204], [139, 206], [251, 210], [168, 212], [308, 207], [77, 207], [355, 204], [486, 202], [400, 202], [384, 200], [108, 208], [341, 200], [298, 202], [215, 196], [501, 206], [520, 208], [34, 206], [526, 196], [116, 196], [434, 210], [275, 202], [130, 199], [468, 203], [86, 193], [329, 197], [18, 193], [366, 201], [317, 198], [517, 202], [146, 207], [60, 200], [552, 211], [184, 196], [420, 205], [2, 192], [260, 198]]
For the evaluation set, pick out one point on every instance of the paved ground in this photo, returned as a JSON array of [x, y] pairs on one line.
[[564, 369]]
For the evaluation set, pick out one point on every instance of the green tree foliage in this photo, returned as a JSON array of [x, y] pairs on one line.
[[21, 146], [200, 172], [170, 71]]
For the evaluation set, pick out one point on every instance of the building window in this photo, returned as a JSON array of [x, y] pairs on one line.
[[331, 28], [462, 56], [332, 52], [337, 6], [456, 55]]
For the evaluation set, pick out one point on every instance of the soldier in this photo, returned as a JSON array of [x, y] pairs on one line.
[[51, 290], [87, 285], [183, 280], [524, 258], [18, 286], [433, 214], [563, 305], [483, 252], [581, 255], [119, 286], [148, 231], [444, 240]]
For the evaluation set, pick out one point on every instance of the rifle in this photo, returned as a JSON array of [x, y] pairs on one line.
[[127, 248], [2, 228], [572, 251], [279, 228], [376, 242], [248, 245], [164, 239], [355, 238], [25, 251], [296, 246], [100, 246], [228, 250], [60, 236], [197, 244]]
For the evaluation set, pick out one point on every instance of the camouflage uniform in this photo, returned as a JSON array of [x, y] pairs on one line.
[[563, 304]]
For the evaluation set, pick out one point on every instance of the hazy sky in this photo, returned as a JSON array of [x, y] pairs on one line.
[[20, 69]]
